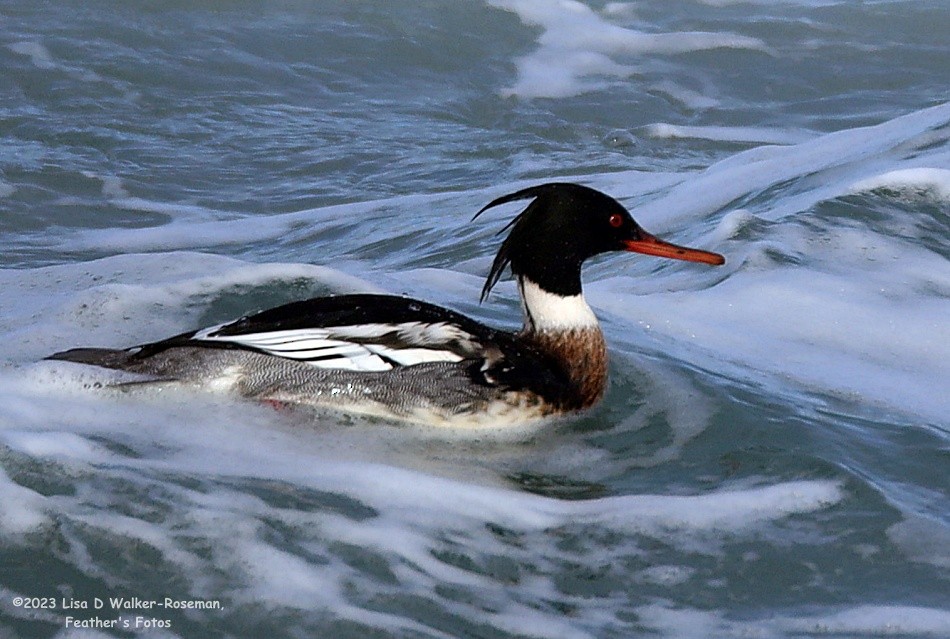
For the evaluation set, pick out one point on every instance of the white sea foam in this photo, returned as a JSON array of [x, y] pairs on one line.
[[38, 54], [919, 182], [112, 186], [577, 46], [54, 445], [112, 302], [856, 313], [730, 133], [824, 168], [433, 500], [24, 510], [41, 58], [448, 501], [201, 458], [817, 325], [665, 575], [689, 98], [923, 539], [192, 226]]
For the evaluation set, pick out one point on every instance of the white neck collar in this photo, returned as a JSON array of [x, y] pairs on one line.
[[546, 311]]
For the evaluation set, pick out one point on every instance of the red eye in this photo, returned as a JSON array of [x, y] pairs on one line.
[[616, 220]]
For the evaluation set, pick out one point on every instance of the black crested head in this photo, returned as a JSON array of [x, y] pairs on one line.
[[564, 225]]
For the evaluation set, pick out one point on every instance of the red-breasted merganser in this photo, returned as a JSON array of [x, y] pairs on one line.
[[402, 358]]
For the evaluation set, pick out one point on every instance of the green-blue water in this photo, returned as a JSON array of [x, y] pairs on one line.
[[771, 458]]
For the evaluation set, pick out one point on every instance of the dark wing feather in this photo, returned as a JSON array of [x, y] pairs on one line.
[[359, 332], [348, 310]]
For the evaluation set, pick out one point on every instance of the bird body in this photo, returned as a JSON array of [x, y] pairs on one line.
[[406, 359]]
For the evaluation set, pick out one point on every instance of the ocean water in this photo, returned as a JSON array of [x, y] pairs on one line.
[[771, 459]]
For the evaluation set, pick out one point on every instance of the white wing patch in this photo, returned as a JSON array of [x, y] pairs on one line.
[[406, 344]]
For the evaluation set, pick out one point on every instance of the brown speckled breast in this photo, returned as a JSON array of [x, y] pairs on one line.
[[582, 354]]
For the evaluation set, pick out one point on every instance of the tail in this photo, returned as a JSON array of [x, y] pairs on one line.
[[104, 357]]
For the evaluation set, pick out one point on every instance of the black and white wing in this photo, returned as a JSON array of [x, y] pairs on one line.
[[350, 332], [362, 347]]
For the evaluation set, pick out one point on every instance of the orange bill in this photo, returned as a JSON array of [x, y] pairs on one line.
[[649, 245]]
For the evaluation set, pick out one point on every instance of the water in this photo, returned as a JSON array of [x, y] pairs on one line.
[[771, 457]]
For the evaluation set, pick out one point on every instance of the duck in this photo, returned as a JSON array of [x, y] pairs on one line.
[[404, 359]]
